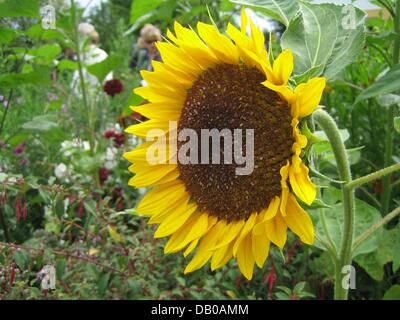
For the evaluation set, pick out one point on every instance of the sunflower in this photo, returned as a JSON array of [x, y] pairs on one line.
[[210, 80]]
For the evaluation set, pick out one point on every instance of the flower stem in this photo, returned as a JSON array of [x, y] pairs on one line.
[[331, 130], [387, 188], [81, 76]]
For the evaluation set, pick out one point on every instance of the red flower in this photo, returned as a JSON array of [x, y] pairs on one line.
[[119, 140], [109, 134], [103, 174], [19, 148], [113, 87]]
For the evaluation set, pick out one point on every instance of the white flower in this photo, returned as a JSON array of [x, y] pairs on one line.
[[111, 154], [110, 165], [61, 171]]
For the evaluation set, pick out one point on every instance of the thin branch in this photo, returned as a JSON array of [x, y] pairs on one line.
[[62, 253], [372, 176]]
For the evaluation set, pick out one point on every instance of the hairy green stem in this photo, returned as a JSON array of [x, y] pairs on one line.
[[387, 188], [331, 130], [367, 233], [373, 176], [386, 181]]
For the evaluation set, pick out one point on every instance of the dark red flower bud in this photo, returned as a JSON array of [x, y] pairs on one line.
[[103, 174], [119, 140], [113, 87], [109, 134], [19, 148]]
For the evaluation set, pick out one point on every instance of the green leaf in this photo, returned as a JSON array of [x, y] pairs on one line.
[[388, 83], [40, 75], [282, 10], [141, 7], [19, 8], [40, 123], [373, 262], [101, 69], [67, 64], [49, 51], [396, 124], [396, 249], [60, 267], [318, 36], [365, 216], [102, 283], [7, 35], [20, 259], [393, 293]]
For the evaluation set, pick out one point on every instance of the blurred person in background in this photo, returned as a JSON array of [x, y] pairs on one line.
[[92, 54], [145, 49]]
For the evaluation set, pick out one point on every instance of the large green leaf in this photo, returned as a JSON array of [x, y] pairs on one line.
[[101, 69], [7, 35], [19, 8], [365, 216], [141, 7], [281, 10], [40, 75], [320, 38], [373, 262], [393, 293], [388, 83], [40, 123]]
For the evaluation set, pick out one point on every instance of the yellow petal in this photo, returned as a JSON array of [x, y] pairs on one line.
[[203, 253], [299, 221], [245, 230], [285, 190], [230, 233], [275, 229], [222, 47], [152, 174], [149, 129], [267, 214], [308, 95], [159, 216], [164, 196], [191, 247], [160, 111], [175, 220], [161, 95], [260, 248], [283, 67], [302, 185], [245, 257], [194, 228], [221, 256], [284, 91]]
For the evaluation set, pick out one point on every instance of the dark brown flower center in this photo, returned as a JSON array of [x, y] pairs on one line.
[[232, 97]]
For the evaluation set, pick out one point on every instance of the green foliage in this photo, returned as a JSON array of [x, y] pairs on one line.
[[19, 8], [322, 40], [387, 83], [282, 11]]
